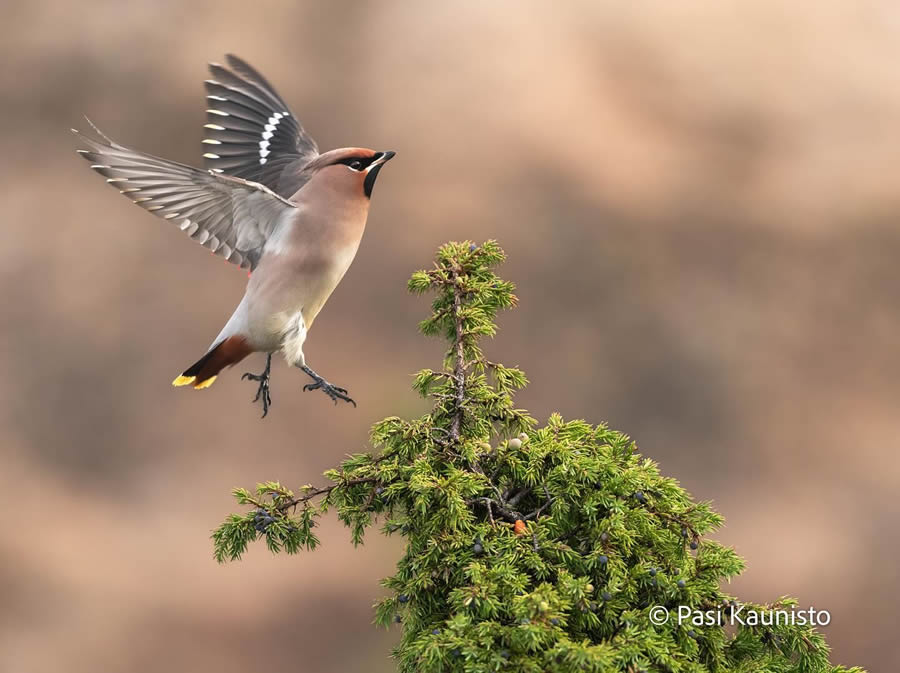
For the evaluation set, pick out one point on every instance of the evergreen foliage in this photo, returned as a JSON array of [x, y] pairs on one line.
[[529, 549]]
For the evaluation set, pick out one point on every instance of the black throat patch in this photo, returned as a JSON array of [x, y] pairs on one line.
[[370, 180]]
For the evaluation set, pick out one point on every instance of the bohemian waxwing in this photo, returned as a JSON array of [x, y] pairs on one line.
[[268, 202]]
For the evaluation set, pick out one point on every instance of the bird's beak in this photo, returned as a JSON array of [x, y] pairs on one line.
[[381, 158]]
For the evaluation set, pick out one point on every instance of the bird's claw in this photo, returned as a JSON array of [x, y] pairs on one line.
[[262, 393], [334, 392]]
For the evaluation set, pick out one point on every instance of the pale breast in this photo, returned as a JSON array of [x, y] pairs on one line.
[[303, 262], [288, 287]]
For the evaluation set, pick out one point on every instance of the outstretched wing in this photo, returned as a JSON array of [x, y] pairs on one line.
[[251, 133], [230, 216]]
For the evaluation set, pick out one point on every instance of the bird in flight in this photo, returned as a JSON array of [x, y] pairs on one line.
[[268, 202]]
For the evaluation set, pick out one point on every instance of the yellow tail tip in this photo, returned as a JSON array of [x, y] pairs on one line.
[[183, 380], [205, 384]]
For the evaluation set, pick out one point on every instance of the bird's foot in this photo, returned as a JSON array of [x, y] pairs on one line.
[[333, 391], [262, 393]]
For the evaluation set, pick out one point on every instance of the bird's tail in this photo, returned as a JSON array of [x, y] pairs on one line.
[[203, 373]]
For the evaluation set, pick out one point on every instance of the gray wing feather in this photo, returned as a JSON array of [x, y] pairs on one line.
[[230, 216]]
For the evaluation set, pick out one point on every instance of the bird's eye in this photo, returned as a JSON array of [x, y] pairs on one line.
[[356, 165]]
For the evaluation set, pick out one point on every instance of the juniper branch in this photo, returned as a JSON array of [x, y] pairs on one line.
[[571, 591], [459, 362], [326, 491]]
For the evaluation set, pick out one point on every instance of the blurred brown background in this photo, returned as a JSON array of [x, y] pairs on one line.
[[700, 205]]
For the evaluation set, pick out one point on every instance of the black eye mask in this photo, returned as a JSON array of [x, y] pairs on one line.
[[363, 162]]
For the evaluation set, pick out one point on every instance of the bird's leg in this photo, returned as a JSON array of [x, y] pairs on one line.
[[262, 393], [332, 391]]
